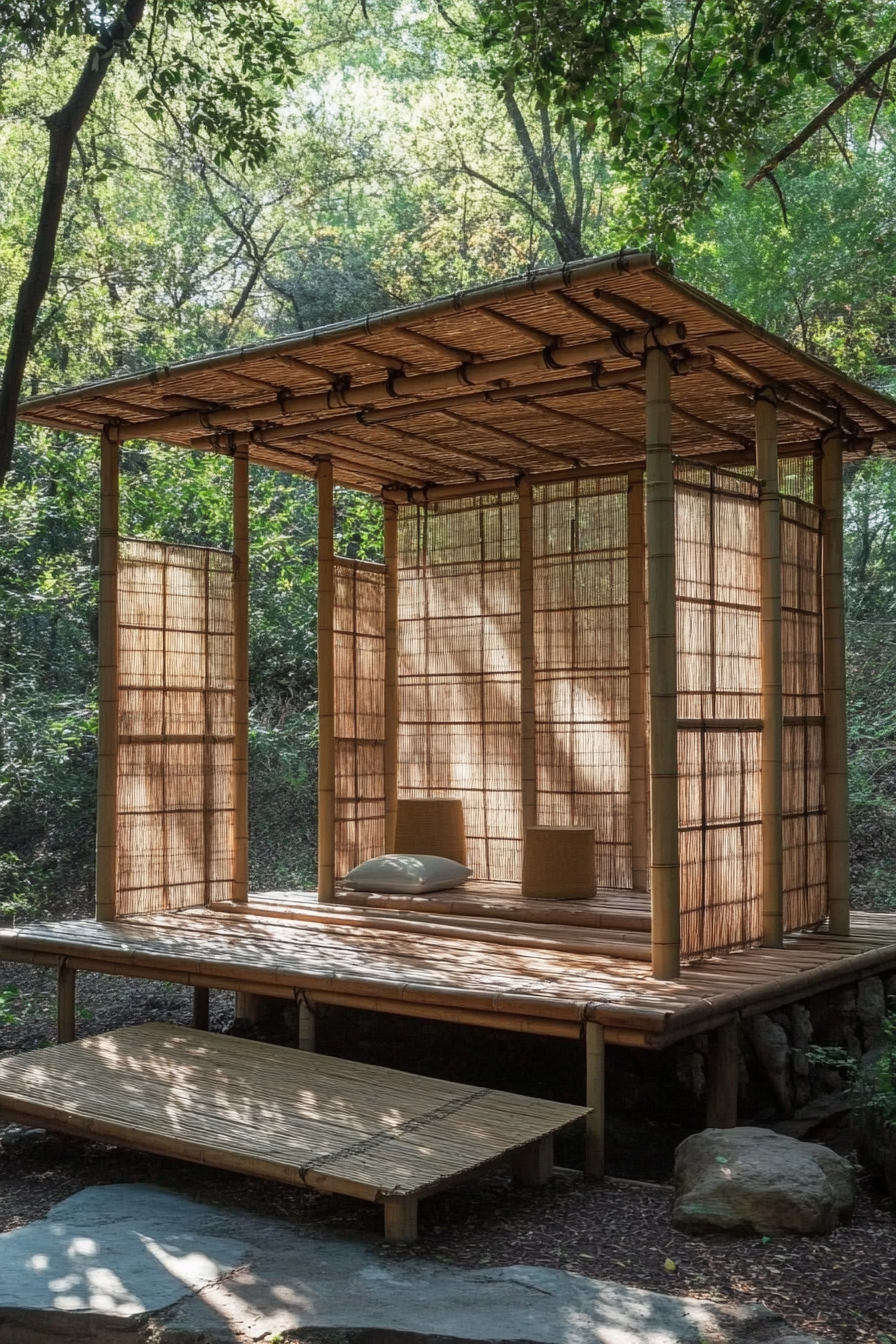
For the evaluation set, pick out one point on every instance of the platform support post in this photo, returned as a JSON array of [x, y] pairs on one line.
[[595, 1085], [326, 780], [107, 644], [836, 791], [637, 686], [534, 1164], [307, 1026], [771, 796], [722, 1077], [400, 1217], [391, 706], [201, 1007], [241, 675], [663, 673], [65, 1003], [527, 657]]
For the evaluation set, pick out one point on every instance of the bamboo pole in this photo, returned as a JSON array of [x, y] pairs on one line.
[[637, 686], [595, 1121], [326, 779], [391, 706], [201, 1007], [107, 642], [241, 676], [771, 789], [307, 1025], [836, 789], [65, 1002], [663, 673], [723, 1077], [527, 658]]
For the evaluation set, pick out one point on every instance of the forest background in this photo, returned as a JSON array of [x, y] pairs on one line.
[[401, 170]]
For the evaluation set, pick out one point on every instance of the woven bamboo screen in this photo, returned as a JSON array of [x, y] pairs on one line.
[[175, 723], [459, 659], [581, 664], [359, 671], [805, 883], [717, 573]]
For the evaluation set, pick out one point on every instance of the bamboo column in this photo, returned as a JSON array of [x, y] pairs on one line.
[[326, 778], [663, 673], [65, 1002], [201, 1006], [836, 792], [771, 790], [390, 750], [723, 1077], [241, 676], [637, 686], [527, 658], [595, 1086], [107, 647]]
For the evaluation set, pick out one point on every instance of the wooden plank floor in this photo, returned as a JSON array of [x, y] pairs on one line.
[[332, 1124], [549, 990]]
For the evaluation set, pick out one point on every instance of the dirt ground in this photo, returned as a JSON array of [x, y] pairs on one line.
[[842, 1286]]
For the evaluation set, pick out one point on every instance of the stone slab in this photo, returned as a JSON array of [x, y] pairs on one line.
[[130, 1264]]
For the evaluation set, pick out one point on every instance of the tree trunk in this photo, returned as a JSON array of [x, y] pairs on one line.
[[63, 126]]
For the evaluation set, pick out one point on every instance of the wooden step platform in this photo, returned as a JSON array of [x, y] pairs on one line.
[[265, 1110]]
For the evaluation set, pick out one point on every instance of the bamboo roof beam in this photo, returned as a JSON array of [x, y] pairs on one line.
[[630, 308], [582, 310], [698, 421], [440, 347], [409, 385], [805, 415], [554, 454], [479, 459], [586, 421], [785, 392], [521, 328]]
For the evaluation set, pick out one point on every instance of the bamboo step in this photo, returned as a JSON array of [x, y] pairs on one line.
[[264, 1110]]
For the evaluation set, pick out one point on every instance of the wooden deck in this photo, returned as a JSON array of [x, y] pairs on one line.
[[263, 1110], [546, 979]]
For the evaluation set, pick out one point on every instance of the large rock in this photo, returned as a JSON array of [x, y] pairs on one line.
[[756, 1181]]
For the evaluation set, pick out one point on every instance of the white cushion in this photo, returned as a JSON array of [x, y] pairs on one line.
[[407, 874]]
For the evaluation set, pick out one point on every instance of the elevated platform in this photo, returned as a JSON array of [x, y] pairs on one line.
[[263, 1110], [526, 980]]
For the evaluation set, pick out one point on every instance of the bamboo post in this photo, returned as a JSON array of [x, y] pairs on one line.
[[400, 1217], [107, 648], [663, 673], [771, 789], [836, 791], [723, 1077], [637, 686], [595, 1121], [391, 707], [534, 1163], [241, 675], [326, 779], [65, 1003], [307, 1026], [201, 1007], [527, 658]]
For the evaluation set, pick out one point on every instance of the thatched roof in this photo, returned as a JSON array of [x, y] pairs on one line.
[[537, 374]]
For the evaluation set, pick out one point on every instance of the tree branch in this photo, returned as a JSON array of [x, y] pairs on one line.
[[824, 115], [63, 126]]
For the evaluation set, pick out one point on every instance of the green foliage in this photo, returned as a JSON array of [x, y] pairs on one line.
[[677, 91], [871, 1083]]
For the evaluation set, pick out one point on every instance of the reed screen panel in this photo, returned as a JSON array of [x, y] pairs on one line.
[[805, 879], [459, 669], [719, 707], [175, 725], [580, 571], [359, 641]]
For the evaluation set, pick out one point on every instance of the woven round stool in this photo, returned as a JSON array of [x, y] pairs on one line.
[[558, 863], [431, 826]]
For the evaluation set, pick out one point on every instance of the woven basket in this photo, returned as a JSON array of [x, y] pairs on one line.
[[558, 863], [431, 826]]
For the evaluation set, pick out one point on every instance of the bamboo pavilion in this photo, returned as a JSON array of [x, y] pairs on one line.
[[611, 596]]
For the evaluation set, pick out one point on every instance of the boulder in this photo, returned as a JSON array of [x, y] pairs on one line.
[[756, 1181]]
